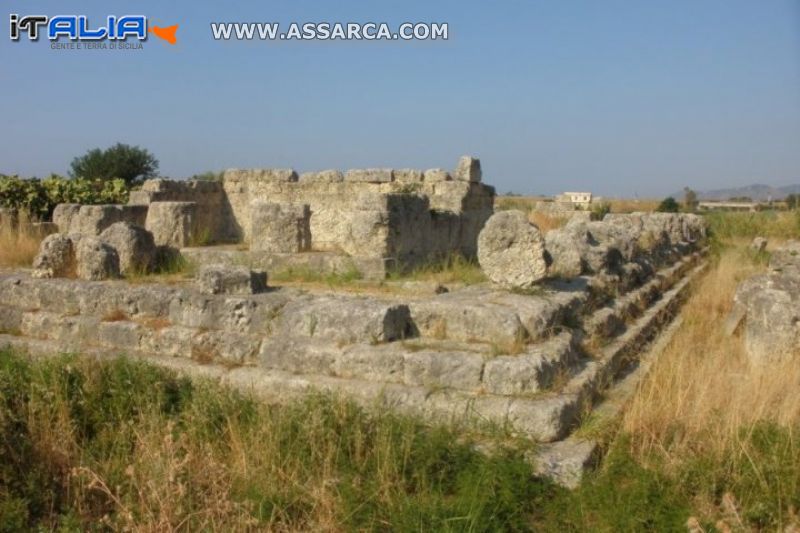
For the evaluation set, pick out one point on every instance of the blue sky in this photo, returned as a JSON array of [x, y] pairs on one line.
[[623, 98]]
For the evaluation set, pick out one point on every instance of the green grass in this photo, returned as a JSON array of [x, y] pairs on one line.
[[122, 443], [775, 224], [454, 268], [109, 445]]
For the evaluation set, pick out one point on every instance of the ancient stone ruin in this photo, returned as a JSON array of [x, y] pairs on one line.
[[767, 306], [370, 220], [563, 319]]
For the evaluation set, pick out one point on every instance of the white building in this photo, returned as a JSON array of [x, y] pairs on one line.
[[580, 199]]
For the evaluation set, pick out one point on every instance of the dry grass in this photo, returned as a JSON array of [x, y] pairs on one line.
[[629, 205], [18, 244], [703, 396], [546, 222]]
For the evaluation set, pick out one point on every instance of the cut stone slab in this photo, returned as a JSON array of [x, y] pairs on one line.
[[323, 176], [134, 244], [96, 260], [64, 215], [564, 249], [280, 227], [408, 175], [511, 250], [469, 169], [565, 462], [91, 220], [786, 258], [344, 319], [172, 223], [226, 279], [56, 257], [369, 175], [460, 317], [436, 174]]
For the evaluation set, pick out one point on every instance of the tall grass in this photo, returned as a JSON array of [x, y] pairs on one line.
[[124, 446], [709, 417], [777, 224], [19, 242]]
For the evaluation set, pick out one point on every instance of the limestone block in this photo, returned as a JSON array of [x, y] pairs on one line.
[[298, 355], [64, 215], [123, 335], [772, 303], [268, 175], [513, 374], [280, 227], [369, 175], [172, 223], [408, 175], [93, 219], [511, 250], [217, 345], [468, 169], [96, 260], [786, 258], [227, 279], [323, 176], [344, 319], [564, 250], [436, 174], [461, 317], [56, 257], [458, 370], [134, 245], [373, 363]]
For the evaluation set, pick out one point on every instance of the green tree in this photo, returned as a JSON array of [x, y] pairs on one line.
[[792, 201], [668, 205], [689, 199], [128, 163]]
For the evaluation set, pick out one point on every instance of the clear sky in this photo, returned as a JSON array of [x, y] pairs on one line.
[[621, 98]]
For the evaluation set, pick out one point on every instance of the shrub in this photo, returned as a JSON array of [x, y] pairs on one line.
[[600, 210], [668, 205], [38, 197]]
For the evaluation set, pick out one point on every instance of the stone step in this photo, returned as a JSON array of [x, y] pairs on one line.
[[338, 318], [610, 320], [545, 417]]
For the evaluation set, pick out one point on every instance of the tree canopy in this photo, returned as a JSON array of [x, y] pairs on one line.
[[668, 205], [129, 163]]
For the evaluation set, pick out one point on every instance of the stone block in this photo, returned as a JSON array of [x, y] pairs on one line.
[[468, 169], [96, 260], [56, 257], [369, 175], [436, 174], [408, 175], [458, 370], [323, 176], [344, 319], [280, 227], [93, 219], [511, 250], [226, 279], [172, 223], [64, 215], [134, 245]]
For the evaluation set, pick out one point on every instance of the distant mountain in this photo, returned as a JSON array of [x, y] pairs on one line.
[[756, 192]]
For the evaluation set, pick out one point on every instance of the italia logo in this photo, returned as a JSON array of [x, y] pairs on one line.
[[78, 28]]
